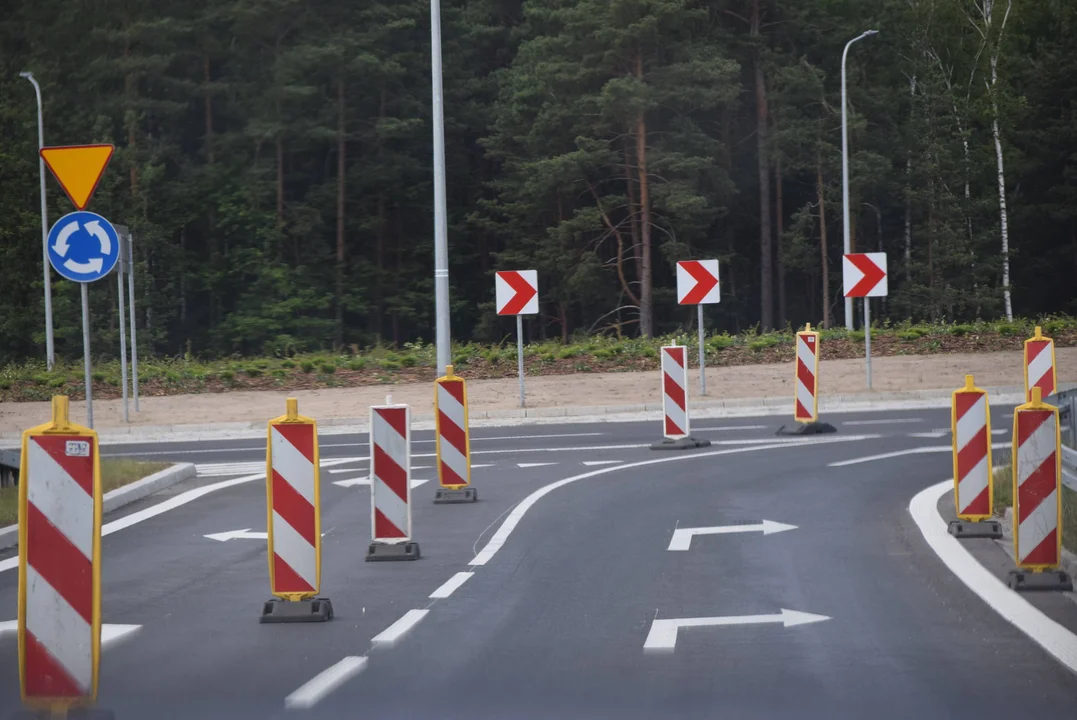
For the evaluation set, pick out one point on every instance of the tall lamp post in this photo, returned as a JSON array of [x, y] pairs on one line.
[[845, 166], [443, 338], [50, 346]]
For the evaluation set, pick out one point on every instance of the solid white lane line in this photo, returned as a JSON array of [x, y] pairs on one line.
[[390, 635], [902, 453], [1048, 634], [892, 421], [325, 682], [451, 585], [498, 539]]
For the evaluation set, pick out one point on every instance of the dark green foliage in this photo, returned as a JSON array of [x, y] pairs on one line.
[[230, 117]]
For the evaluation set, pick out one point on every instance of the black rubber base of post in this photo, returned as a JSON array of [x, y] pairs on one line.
[[684, 443], [968, 530], [814, 428], [1029, 581], [76, 713], [296, 611], [452, 496], [387, 552]]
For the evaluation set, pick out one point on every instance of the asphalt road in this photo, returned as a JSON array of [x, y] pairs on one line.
[[554, 624]]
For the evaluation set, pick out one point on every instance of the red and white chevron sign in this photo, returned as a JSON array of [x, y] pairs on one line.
[[1037, 475], [864, 274], [294, 540], [516, 292], [390, 473], [60, 614], [697, 282]]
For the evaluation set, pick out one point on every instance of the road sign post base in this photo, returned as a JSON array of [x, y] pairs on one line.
[[385, 552], [966, 529], [812, 428], [1029, 581], [452, 496], [287, 611], [685, 443]]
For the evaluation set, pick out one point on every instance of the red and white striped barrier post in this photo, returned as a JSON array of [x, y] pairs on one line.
[[1040, 365], [390, 484], [675, 416], [293, 520], [806, 386], [59, 595], [1037, 497], [453, 440], [970, 425]]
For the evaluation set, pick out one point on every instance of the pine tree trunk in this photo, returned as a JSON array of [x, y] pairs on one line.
[[633, 214], [646, 295], [780, 228], [908, 196], [822, 239], [341, 157], [280, 183], [766, 240], [208, 101]]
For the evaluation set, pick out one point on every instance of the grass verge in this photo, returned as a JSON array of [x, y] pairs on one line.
[[115, 472], [1004, 499]]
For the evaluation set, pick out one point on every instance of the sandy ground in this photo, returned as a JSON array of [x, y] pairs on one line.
[[922, 372]]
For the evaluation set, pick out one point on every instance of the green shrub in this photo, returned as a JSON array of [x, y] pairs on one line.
[[719, 342], [389, 365], [461, 360], [279, 374], [112, 381], [357, 364], [648, 352], [605, 353], [493, 356], [228, 376], [261, 364], [1008, 329], [307, 366], [548, 357], [253, 372], [289, 364], [570, 352], [41, 379], [5, 384], [961, 330], [328, 368], [1053, 327], [909, 335], [172, 376], [409, 360], [57, 382], [762, 343], [236, 367], [98, 376], [857, 336]]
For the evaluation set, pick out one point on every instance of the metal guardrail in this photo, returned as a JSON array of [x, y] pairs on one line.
[[1069, 468], [9, 468], [1066, 402]]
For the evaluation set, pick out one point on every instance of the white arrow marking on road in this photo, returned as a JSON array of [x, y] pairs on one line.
[[592, 463], [663, 634], [61, 238], [533, 465], [90, 266], [353, 482], [110, 633], [482, 466], [935, 435], [682, 537], [244, 534], [94, 228]]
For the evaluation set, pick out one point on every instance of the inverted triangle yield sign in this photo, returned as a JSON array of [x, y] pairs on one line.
[[78, 169], [864, 275]]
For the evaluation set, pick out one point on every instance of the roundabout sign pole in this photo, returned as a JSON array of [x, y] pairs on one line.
[[82, 246]]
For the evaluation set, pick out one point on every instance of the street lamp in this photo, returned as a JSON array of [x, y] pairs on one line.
[[443, 340], [845, 167], [50, 347]]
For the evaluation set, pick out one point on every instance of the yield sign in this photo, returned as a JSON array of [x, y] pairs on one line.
[[864, 274], [78, 168], [517, 292], [697, 282]]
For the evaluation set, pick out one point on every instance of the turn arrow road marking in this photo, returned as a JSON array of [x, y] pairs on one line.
[[663, 634], [682, 537], [697, 282], [516, 292], [864, 274]]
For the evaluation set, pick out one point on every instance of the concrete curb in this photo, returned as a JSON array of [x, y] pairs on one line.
[[114, 499], [702, 409]]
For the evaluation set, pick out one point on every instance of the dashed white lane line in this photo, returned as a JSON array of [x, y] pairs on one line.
[[592, 463], [533, 465], [902, 453], [325, 682], [891, 421], [731, 428], [1048, 634], [451, 585], [390, 635]]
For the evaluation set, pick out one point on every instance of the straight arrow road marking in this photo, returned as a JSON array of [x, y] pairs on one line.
[[110, 633], [244, 534], [361, 481], [682, 537], [663, 633]]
